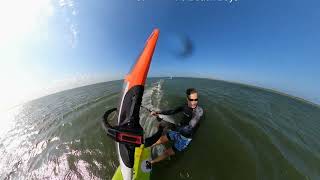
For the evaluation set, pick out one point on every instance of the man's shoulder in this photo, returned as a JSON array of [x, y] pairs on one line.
[[199, 110], [199, 107]]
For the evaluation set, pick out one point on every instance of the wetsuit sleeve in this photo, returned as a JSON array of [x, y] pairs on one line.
[[196, 118], [171, 111]]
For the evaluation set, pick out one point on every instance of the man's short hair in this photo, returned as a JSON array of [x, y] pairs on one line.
[[191, 91]]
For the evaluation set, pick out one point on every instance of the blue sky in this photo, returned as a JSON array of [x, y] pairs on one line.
[[52, 45]]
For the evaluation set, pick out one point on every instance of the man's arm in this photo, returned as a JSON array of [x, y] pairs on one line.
[[187, 130], [195, 120], [169, 112]]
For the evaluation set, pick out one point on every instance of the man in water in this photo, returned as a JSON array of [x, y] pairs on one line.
[[182, 136]]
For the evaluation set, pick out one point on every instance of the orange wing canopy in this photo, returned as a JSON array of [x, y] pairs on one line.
[[140, 70]]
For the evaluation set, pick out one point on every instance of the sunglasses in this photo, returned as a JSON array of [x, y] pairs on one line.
[[192, 99]]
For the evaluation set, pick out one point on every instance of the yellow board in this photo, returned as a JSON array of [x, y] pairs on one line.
[[117, 175], [139, 168], [140, 172]]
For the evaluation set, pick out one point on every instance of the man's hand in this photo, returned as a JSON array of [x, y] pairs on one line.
[[161, 126], [154, 113]]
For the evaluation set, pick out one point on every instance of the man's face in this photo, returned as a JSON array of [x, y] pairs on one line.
[[193, 100]]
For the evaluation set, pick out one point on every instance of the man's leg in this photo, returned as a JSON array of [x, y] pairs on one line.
[[167, 153], [162, 140]]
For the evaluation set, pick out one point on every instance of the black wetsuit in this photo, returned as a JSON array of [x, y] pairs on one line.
[[190, 121]]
